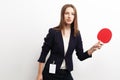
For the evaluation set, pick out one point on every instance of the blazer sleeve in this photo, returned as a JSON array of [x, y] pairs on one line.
[[47, 45], [79, 49]]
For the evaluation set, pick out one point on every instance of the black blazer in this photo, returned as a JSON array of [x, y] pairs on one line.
[[53, 42]]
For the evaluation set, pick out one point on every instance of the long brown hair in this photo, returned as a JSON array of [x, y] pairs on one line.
[[74, 25]]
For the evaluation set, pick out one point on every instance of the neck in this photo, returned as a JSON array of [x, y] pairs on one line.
[[66, 30], [67, 27]]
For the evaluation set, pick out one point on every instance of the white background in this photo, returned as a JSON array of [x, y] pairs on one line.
[[24, 24]]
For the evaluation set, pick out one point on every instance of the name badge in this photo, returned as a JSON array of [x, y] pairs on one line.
[[52, 68]]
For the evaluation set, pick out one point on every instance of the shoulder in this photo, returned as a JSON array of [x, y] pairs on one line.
[[78, 35], [53, 30]]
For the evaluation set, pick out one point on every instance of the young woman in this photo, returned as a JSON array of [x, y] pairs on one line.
[[61, 41]]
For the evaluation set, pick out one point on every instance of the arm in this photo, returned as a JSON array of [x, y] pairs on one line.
[[79, 49], [48, 42], [47, 45], [40, 69]]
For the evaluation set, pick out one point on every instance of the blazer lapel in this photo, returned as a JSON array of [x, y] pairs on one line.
[[61, 43], [70, 43]]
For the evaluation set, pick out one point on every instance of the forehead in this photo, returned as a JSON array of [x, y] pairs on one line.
[[69, 9]]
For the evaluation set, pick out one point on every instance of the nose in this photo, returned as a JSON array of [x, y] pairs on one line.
[[69, 15]]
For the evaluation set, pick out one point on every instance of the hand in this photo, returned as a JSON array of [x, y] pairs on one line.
[[98, 45], [40, 77]]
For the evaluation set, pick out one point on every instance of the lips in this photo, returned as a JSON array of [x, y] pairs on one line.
[[69, 20]]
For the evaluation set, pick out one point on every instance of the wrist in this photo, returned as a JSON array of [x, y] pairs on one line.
[[89, 52]]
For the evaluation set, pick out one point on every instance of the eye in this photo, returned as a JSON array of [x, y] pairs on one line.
[[66, 12], [73, 13]]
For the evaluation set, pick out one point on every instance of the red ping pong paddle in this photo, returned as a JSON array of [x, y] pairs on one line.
[[104, 35]]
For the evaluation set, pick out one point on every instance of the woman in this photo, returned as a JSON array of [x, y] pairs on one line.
[[61, 41]]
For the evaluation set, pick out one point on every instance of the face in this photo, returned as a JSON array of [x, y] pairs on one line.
[[69, 15]]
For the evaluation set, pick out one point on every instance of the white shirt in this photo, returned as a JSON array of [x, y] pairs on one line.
[[66, 44]]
